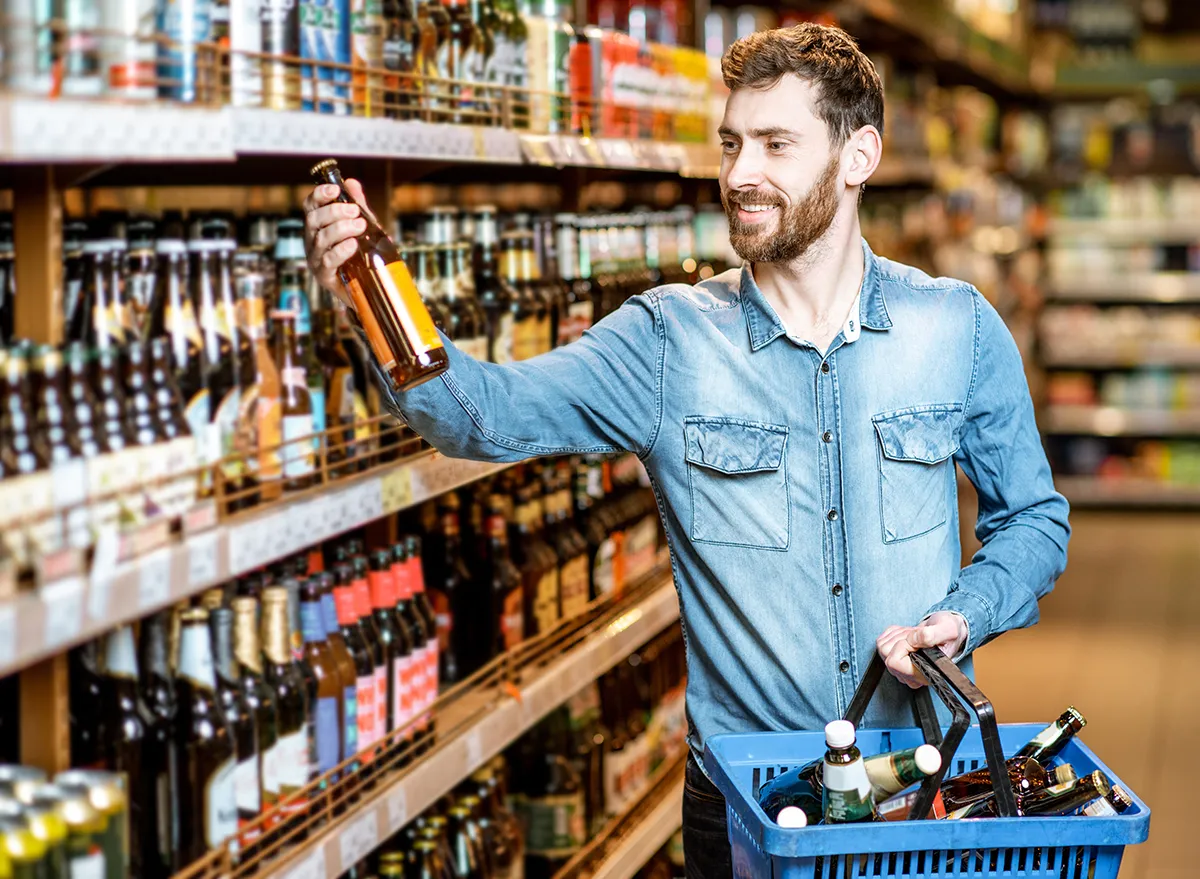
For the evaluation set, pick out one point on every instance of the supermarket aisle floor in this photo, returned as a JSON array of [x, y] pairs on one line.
[[1120, 640]]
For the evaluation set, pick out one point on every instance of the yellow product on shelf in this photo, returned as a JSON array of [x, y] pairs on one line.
[[691, 115]]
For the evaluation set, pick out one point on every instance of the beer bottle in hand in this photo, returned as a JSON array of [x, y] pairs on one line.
[[398, 327]]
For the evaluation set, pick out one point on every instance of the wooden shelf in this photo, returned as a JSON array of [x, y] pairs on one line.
[[507, 715], [1126, 231], [1114, 421], [1123, 357], [647, 829], [1086, 491], [70, 610], [1158, 287]]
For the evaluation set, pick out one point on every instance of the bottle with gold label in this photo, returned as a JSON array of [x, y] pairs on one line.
[[297, 404], [282, 674], [259, 697], [567, 541], [398, 327], [531, 277], [528, 308], [260, 417]]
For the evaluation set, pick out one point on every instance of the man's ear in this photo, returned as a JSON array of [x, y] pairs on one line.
[[861, 155]]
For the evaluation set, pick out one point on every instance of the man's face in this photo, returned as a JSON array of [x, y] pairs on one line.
[[780, 180]]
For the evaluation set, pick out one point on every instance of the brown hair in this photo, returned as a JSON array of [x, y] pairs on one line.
[[849, 92]]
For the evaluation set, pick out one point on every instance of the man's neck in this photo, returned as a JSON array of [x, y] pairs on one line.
[[813, 294]]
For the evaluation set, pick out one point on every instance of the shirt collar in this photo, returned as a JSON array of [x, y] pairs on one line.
[[869, 309]]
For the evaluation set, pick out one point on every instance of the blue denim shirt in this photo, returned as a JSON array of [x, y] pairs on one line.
[[809, 497]]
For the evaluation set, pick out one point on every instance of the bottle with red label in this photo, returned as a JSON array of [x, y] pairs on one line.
[[503, 580], [424, 645], [396, 643], [421, 605], [366, 620], [360, 652]]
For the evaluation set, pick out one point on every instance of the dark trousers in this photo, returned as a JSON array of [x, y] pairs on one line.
[[705, 839]]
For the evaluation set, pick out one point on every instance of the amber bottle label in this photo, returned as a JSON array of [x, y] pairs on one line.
[[406, 300], [375, 338]]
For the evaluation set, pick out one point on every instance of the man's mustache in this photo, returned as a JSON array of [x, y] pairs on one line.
[[744, 199]]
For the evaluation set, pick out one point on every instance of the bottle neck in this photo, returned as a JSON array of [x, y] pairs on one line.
[[277, 633], [220, 623], [154, 647], [312, 619], [245, 639], [120, 659], [195, 656]]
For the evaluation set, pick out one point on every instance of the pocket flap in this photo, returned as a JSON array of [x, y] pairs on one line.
[[730, 445], [926, 435]]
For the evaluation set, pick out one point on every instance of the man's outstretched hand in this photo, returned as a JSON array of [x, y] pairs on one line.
[[943, 629]]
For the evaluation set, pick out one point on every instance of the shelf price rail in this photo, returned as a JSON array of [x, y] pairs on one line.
[[474, 722]]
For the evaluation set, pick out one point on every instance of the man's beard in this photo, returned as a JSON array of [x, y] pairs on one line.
[[797, 228]]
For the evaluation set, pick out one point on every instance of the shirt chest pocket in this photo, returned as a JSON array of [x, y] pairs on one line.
[[916, 472], [737, 473]]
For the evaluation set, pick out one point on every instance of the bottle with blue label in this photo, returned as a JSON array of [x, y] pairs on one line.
[[184, 24], [328, 710]]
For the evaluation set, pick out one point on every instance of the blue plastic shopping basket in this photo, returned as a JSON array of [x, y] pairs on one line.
[[1054, 848]]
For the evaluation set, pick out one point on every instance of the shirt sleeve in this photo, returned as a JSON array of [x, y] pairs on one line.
[[1022, 521], [599, 394]]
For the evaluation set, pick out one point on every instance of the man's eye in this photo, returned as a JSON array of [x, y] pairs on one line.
[[728, 145], [776, 146]]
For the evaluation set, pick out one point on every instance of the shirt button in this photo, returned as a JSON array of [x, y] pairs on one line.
[[825, 367], [844, 666], [832, 515], [827, 436], [837, 589]]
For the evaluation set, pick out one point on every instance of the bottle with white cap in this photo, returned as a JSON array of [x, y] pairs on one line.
[[847, 789], [893, 772]]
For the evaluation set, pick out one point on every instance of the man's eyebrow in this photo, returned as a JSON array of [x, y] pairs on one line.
[[762, 133]]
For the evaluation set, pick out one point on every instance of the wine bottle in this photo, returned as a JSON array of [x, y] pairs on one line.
[[1050, 741]]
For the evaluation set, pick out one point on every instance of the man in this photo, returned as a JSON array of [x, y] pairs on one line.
[[800, 419]]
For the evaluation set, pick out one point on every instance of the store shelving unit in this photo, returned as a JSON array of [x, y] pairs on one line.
[[1114, 421], [1129, 356], [73, 609], [483, 722], [1126, 231]]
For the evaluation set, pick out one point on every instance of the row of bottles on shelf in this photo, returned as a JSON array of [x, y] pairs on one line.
[[527, 814], [1118, 460], [331, 660], [171, 366], [1149, 390], [487, 62], [1089, 330], [843, 787]]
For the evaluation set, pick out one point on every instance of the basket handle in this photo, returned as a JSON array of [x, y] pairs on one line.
[[953, 688]]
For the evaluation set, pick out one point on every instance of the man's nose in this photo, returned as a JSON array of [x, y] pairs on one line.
[[746, 170]]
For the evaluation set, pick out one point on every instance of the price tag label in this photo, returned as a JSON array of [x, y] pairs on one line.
[[154, 579], [63, 603], [245, 549], [359, 839], [104, 571], [396, 490], [312, 867], [474, 747], [277, 535], [69, 483], [397, 810], [203, 566], [370, 499], [8, 633]]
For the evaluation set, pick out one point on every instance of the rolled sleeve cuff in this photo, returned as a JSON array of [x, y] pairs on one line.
[[974, 611]]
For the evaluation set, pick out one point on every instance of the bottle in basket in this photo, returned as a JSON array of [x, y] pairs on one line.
[[796, 789], [1116, 802], [1061, 799], [1046, 744], [847, 789], [1025, 775], [891, 773]]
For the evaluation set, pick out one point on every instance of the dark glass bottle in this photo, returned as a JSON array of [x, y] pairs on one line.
[[173, 318], [338, 370], [469, 858], [422, 605], [131, 748], [1062, 799], [297, 405], [569, 544], [397, 325], [347, 672], [81, 405], [283, 675], [206, 805], [393, 637], [1048, 743], [459, 626], [363, 657], [86, 706], [156, 689], [99, 312], [242, 723], [259, 696], [537, 563], [504, 581], [423, 672], [51, 414], [360, 586], [28, 453], [399, 59], [496, 297]]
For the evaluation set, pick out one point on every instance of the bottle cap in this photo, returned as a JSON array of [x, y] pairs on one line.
[[928, 759], [1063, 774], [839, 734], [791, 817]]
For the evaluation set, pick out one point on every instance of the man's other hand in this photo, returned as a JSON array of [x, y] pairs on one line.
[[943, 629]]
